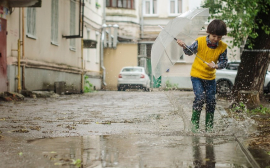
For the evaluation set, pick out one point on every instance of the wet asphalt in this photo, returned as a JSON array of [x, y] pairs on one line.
[[118, 129]]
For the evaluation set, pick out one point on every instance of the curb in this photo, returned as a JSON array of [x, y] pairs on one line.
[[246, 152]]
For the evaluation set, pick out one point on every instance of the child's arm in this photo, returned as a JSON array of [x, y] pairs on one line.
[[222, 60], [192, 49]]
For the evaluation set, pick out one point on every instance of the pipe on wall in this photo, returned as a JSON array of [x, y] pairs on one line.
[[102, 44], [82, 78], [23, 34], [19, 88], [102, 53]]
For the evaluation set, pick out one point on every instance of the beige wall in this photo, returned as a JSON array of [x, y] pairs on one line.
[[114, 60], [40, 49], [58, 62], [91, 56]]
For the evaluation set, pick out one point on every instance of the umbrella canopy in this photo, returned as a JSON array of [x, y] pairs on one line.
[[165, 50]]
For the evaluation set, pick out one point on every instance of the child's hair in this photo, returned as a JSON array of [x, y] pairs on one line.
[[217, 27]]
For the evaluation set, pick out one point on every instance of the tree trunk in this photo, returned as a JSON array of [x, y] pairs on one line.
[[249, 80]]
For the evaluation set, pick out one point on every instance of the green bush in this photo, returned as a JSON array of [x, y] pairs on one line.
[[88, 87], [170, 86]]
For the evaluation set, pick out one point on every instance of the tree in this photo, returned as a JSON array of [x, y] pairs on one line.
[[249, 21]]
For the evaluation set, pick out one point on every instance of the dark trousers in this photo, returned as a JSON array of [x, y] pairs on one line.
[[204, 91]]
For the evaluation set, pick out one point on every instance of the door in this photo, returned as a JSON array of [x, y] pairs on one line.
[[3, 55]]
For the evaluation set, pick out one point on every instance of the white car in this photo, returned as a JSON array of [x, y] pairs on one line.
[[225, 78], [133, 77]]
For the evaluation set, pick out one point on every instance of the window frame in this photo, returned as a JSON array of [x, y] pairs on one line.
[[31, 23], [88, 49], [151, 8], [54, 21], [72, 43], [176, 8], [97, 49], [115, 4]]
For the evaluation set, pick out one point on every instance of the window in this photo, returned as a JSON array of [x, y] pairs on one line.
[[127, 4], [175, 6], [97, 54], [31, 22], [72, 23], [144, 50], [54, 22], [150, 7]]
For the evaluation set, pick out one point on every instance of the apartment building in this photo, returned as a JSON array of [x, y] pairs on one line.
[[93, 16], [42, 46]]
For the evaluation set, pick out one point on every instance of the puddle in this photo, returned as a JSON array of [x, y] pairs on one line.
[[136, 151], [262, 158]]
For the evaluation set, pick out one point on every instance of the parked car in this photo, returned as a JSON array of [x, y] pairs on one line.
[[133, 78], [225, 78]]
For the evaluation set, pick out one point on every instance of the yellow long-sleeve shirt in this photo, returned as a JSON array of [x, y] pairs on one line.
[[200, 69]]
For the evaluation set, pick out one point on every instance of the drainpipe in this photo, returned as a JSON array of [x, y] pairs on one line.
[[82, 79], [142, 21], [23, 68], [19, 56], [102, 53], [102, 43], [19, 68]]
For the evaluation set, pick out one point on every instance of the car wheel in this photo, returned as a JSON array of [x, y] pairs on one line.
[[144, 89], [224, 87], [121, 88]]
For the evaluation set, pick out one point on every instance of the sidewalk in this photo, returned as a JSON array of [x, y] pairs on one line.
[[223, 124], [130, 129]]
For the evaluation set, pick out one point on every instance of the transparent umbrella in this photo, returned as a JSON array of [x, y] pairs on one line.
[[165, 51]]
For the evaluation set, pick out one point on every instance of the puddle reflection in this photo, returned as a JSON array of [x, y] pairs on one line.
[[209, 153], [141, 151]]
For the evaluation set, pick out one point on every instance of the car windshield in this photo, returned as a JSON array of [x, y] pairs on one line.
[[132, 70]]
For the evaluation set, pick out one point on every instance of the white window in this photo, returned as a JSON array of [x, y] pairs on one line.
[[97, 49], [54, 22], [150, 7], [31, 22], [142, 51], [88, 50], [72, 23], [175, 7]]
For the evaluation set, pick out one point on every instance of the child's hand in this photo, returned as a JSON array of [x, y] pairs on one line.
[[181, 43], [212, 65]]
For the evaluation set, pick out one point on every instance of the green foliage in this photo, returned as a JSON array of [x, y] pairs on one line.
[[260, 110], [241, 107], [240, 17], [170, 86], [88, 87], [77, 162], [97, 5]]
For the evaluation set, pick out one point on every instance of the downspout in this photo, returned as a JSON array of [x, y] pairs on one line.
[[142, 21], [19, 56], [102, 53], [82, 63], [82, 78], [102, 44], [23, 68]]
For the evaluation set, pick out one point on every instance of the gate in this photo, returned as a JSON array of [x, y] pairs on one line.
[[3, 55]]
